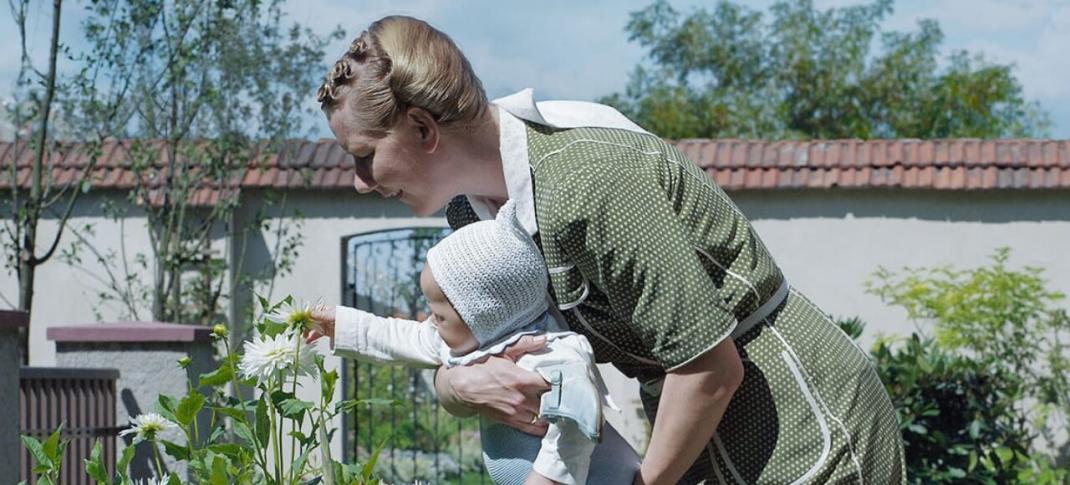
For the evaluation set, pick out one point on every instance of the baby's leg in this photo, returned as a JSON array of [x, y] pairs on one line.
[[508, 455], [535, 479]]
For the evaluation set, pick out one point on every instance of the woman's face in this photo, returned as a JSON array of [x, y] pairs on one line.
[[401, 164], [445, 318]]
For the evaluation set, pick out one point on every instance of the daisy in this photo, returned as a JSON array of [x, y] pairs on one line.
[[268, 357], [296, 314], [148, 427]]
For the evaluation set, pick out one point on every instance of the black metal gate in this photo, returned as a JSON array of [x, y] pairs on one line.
[[420, 441]]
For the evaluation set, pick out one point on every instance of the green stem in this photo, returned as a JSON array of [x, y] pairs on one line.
[[156, 454], [293, 422], [276, 438], [325, 445], [261, 453]]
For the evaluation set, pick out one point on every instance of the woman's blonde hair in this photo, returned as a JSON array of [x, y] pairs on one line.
[[398, 63]]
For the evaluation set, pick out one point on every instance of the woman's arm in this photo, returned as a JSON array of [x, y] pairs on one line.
[[496, 388], [693, 400]]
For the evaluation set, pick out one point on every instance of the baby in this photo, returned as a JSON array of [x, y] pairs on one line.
[[486, 288]]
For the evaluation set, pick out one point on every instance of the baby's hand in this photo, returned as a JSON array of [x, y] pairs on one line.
[[322, 324]]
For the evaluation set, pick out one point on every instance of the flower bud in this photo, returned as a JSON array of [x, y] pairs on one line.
[[184, 362], [219, 330]]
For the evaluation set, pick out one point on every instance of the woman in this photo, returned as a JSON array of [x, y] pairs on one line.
[[648, 258]]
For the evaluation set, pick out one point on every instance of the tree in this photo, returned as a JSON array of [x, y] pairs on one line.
[[808, 73], [213, 88], [32, 111]]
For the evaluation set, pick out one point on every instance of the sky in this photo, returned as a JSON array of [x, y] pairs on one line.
[[579, 50]]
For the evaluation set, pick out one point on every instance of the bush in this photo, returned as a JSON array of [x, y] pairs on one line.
[[973, 399]]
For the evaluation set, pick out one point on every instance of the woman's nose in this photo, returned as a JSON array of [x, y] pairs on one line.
[[362, 184]]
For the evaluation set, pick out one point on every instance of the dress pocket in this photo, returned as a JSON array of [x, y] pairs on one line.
[[775, 430]]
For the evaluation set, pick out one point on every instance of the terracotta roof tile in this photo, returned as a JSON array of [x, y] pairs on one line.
[[769, 178], [689, 148], [735, 164]]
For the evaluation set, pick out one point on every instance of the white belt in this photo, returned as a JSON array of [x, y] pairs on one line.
[[763, 311]]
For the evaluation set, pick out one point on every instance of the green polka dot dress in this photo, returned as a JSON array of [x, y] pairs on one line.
[[655, 265]]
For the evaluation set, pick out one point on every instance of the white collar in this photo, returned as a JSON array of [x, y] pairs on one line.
[[518, 107]]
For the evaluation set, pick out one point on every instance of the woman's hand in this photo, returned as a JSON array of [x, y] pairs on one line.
[[497, 388], [322, 324]]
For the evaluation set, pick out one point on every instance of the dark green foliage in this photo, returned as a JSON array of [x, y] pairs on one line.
[[973, 401], [958, 417], [800, 72]]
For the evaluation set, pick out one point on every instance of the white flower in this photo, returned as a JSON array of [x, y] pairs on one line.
[[148, 427], [267, 357], [296, 314]]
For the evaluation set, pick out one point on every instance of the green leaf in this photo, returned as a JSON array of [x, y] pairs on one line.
[[52, 446], [218, 377], [94, 465], [219, 471], [1005, 455], [299, 463], [230, 411], [37, 451], [124, 460], [231, 450], [189, 407], [301, 437], [924, 364], [165, 405], [263, 423], [242, 430], [327, 384], [179, 452], [349, 404], [295, 408], [369, 467]]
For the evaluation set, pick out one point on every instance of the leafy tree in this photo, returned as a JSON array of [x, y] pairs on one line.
[[213, 88], [38, 101], [806, 73]]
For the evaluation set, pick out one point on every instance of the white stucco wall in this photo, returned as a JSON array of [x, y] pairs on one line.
[[66, 295], [827, 242]]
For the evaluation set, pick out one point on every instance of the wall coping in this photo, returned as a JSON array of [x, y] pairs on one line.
[[14, 319], [129, 332]]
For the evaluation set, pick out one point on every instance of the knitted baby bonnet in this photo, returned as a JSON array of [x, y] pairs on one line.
[[493, 275]]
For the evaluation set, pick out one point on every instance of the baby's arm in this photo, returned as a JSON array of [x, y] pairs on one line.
[[369, 337]]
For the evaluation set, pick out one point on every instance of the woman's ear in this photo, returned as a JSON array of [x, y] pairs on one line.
[[427, 129]]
